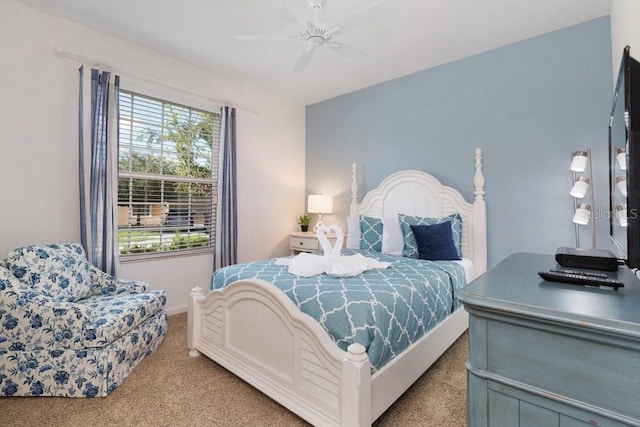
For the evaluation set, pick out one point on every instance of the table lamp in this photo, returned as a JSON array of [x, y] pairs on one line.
[[319, 203]]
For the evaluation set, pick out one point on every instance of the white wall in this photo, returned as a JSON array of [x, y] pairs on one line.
[[625, 15], [39, 134]]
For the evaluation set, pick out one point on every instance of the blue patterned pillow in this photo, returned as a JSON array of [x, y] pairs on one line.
[[410, 248], [435, 242], [371, 233]]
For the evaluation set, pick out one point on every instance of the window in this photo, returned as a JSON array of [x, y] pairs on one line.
[[167, 178]]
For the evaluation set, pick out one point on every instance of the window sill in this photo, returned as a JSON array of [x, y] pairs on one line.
[[154, 256]]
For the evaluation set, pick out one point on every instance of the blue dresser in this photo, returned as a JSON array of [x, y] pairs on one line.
[[551, 354]]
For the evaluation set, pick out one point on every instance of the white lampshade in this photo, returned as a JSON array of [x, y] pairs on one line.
[[580, 187], [621, 214], [579, 161], [621, 185], [319, 203], [582, 215], [621, 158]]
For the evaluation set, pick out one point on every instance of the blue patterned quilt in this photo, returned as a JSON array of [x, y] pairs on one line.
[[384, 310]]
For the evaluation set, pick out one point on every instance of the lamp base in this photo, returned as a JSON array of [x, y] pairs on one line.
[[318, 225]]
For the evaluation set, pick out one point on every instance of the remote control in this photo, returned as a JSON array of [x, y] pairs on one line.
[[580, 279], [580, 273]]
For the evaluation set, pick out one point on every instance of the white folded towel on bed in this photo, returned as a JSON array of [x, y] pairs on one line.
[[332, 262], [352, 265], [304, 264]]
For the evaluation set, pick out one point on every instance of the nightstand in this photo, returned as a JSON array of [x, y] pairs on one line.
[[307, 241]]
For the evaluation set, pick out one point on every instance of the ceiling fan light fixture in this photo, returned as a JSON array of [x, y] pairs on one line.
[[316, 37], [317, 40]]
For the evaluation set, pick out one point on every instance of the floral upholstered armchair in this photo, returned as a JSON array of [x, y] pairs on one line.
[[69, 329]]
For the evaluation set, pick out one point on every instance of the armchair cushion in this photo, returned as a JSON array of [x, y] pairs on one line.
[[117, 315], [59, 271]]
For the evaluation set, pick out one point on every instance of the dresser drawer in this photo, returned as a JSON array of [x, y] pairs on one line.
[[304, 243], [599, 370]]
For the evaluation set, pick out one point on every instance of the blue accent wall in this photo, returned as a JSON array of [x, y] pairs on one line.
[[527, 105]]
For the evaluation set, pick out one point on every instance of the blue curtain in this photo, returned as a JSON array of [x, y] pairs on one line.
[[98, 218], [227, 224]]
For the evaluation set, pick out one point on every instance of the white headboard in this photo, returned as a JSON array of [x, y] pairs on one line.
[[413, 192]]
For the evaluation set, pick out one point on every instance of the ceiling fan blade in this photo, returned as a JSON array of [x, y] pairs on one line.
[[264, 37], [349, 51], [293, 15], [332, 31], [304, 57], [359, 12]]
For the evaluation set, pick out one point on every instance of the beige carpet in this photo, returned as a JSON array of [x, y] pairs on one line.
[[169, 388]]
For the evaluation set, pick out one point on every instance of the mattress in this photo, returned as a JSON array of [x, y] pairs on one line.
[[385, 310]]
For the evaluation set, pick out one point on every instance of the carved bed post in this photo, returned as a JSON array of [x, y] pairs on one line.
[[353, 211], [479, 217], [355, 399], [193, 320]]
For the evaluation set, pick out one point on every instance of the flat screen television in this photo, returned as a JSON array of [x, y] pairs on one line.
[[624, 162]]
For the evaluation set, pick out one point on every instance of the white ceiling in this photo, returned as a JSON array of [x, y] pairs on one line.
[[394, 38]]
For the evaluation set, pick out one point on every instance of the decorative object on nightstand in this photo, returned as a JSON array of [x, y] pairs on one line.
[[581, 192], [320, 204], [304, 221]]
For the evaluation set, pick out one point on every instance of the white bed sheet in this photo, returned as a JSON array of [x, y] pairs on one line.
[[469, 271]]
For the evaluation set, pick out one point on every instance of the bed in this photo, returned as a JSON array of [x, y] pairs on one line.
[[253, 329]]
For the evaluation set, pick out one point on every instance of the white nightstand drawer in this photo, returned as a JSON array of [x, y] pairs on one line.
[[307, 241], [304, 243]]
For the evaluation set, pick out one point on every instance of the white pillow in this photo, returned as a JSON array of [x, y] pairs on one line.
[[392, 237], [353, 233]]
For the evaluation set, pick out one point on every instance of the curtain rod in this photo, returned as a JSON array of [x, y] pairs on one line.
[[61, 52]]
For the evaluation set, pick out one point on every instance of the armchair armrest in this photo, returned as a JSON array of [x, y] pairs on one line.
[[105, 284], [30, 320]]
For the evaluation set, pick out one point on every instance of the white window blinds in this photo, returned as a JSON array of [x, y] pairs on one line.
[[167, 179]]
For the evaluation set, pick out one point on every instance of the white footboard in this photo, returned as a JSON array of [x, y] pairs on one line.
[[263, 338]]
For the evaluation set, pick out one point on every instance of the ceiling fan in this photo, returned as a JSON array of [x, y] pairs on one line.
[[314, 33]]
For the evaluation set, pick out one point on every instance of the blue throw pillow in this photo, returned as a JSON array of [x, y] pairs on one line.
[[435, 242], [410, 248], [371, 233]]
